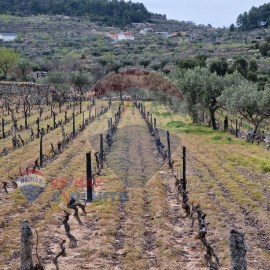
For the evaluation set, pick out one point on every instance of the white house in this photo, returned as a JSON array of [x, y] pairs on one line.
[[125, 36], [164, 34], [122, 36], [146, 30], [7, 37]]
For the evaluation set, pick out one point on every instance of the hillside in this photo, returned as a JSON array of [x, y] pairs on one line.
[[111, 12]]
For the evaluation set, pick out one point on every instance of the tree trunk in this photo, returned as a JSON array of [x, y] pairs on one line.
[[121, 97], [195, 119], [213, 119]]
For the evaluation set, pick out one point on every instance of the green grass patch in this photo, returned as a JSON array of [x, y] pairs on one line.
[[254, 163], [162, 114], [190, 128], [224, 139], [6, 17]]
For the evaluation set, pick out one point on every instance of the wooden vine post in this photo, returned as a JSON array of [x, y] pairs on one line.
[[101, 151], [89, 177], [236, 128], [25, 114], [26, 246], [3, 128], [238, 251], [65, 117], [38, 130], [41, 150], [54, 123], [184, 169], [51, 109], [169, 149], [73, 121]]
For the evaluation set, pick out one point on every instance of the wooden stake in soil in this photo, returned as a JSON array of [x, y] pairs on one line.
[[41, 150], [155, 123], [54, 123], [89, 177], [236, 128], [65, 117], [238, 251], [3, 128], [26, 246], [38, 130], [169, 149], [73, 119], [184, 169], [101, 151], [25, 115]]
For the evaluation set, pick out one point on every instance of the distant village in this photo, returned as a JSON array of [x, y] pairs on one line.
[[115, 37]]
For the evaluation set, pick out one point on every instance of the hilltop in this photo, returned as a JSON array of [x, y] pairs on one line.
[[117, 13]]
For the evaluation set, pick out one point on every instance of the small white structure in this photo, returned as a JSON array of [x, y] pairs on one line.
[[146, 30], [8, 37], [122, 36], [125, 36], [39, 74], [163, 34]]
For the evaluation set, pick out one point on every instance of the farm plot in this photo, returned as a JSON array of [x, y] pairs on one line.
[[227, 177]]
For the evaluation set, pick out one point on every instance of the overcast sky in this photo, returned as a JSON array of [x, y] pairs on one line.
[[216, 12]]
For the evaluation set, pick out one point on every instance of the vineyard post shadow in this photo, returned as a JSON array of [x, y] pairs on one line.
[[89, 177]]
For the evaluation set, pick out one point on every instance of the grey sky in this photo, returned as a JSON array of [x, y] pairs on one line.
[[216, 12]]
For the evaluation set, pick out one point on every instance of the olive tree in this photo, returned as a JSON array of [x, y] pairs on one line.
[[245, 98], [201, 88], [8, 59]]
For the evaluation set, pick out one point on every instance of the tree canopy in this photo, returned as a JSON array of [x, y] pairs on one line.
[[201, 88], [255, 18], [245, 98], [8, 59], [112, 12]]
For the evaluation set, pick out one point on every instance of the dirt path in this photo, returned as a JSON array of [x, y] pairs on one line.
[[140, 242]]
